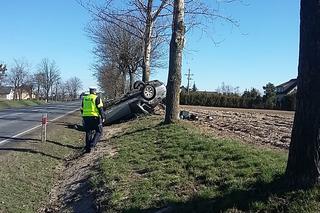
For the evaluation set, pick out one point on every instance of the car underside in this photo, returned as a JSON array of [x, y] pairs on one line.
[[141, 100]]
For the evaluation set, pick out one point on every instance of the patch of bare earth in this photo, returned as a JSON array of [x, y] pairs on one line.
[[72, 192], [262, 127]]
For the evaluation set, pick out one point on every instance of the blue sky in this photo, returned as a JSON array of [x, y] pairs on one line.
[[264, 48]]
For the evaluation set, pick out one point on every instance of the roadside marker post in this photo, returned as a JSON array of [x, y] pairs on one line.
[[44, 122]]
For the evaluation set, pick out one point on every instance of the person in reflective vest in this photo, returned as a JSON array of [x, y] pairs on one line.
[[93, 116]]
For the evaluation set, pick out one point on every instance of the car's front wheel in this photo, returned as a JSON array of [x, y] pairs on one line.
[[148, 92]]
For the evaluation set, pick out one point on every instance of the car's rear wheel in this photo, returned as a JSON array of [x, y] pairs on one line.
[[148, 92], [138, 85]]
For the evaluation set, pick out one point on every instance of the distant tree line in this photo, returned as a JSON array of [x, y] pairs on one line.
[[227, 96], [43, 84]]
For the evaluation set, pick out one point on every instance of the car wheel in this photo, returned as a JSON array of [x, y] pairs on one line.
[[149, 92], [138, 85]]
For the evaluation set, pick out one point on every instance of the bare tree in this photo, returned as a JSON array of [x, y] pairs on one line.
[[227, 89], [3, 69], [175, 62], [118, 47], [110, 80], [75, 85], [63, 90], [17, 77], [155, 18], [50, 73], [68, 91], [28, 86], [38, 80], [303, 167], [138, 15]]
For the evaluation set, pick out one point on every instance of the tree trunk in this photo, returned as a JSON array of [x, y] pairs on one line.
[[131, 79], [175, 63], [303, 167], [15, 93], [20, 93], [56, 92], [38, 92], [124, 81], [146, 62], [47, 96]]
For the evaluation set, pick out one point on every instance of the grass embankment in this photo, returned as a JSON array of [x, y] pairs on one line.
[[19, 103], [179, 168], [28, 167]]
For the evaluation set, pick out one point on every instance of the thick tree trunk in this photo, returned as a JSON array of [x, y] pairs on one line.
[[47, 95], [175, 63], [20, 93], [146, 62], [303, 168]]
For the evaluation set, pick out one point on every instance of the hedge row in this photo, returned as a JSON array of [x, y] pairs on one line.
[[236, 101]]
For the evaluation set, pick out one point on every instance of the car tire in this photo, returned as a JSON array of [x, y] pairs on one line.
[[148, 92], [138, 85]]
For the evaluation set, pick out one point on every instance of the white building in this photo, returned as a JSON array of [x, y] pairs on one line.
[[6, 93]]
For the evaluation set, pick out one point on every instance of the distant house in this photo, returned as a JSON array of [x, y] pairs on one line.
[[285, 94], [183, 89], [6, 93], [25, 92], [22, 93], [287, 88]]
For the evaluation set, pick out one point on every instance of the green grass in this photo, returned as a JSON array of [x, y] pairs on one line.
[[19, 103], [176, 166], [28, 168]]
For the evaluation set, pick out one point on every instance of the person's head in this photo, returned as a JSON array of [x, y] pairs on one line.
[[93, 90]]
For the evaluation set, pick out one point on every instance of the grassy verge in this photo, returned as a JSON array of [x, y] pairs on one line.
[[21, 103], [177, 167], [28, 167]]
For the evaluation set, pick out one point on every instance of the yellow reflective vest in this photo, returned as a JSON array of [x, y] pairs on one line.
[[89, 106]]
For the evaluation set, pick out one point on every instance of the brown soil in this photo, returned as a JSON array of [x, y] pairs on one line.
[[72, 192], [268, 127]]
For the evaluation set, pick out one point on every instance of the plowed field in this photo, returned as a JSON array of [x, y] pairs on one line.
[[255, 126]]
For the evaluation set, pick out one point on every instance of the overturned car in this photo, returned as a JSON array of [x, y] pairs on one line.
[[142, 99]]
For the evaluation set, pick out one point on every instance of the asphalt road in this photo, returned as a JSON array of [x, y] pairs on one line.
[[16, 122]]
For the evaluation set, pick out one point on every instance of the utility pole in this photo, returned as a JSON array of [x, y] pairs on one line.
[[189, 79]]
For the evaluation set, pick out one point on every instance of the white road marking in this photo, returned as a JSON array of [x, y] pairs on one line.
[[33, 128]]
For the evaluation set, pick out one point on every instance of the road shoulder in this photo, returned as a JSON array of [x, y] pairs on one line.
[[73, 191], [28, 167]]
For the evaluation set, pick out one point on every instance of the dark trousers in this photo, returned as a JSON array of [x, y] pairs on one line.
[[93, 128]]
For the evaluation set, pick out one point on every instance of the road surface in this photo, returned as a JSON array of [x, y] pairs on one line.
[[18, 121]]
